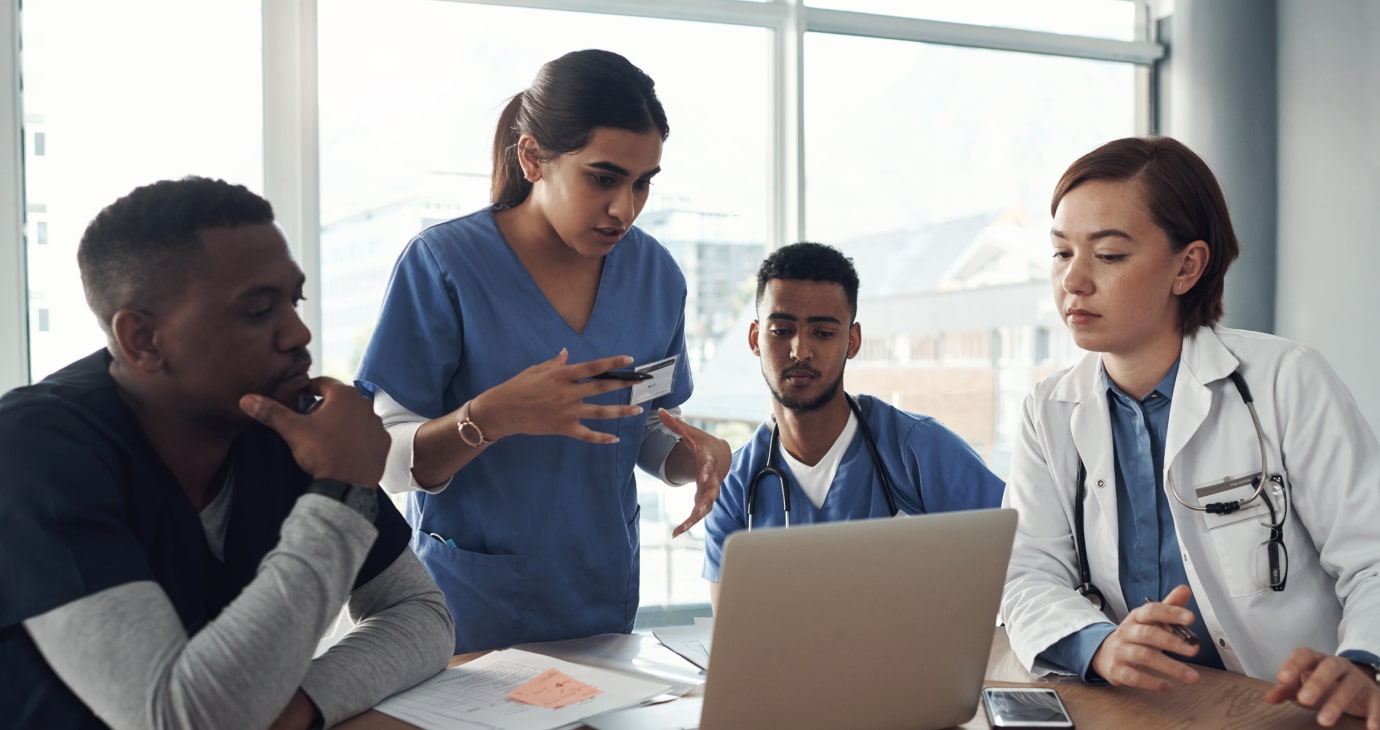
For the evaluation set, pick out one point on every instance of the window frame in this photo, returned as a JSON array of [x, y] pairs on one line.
[[291, 133]]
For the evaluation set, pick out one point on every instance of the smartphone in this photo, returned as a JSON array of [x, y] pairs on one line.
[[623, 375], [1024, 707]]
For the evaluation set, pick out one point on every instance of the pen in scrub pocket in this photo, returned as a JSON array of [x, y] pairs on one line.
[[1181, 631], [445, 540]]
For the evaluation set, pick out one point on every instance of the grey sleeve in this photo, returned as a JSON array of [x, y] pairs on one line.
[[125, 654], [403, 634]]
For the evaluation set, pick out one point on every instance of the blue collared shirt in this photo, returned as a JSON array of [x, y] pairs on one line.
[[1148, 547]]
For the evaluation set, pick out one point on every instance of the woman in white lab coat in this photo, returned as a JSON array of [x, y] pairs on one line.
[[1276, 578]]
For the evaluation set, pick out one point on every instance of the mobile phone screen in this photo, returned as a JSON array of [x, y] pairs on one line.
[[1025, 707]]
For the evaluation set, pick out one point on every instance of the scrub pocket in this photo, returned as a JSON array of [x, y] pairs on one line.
[[485, 593], [1239, 538]]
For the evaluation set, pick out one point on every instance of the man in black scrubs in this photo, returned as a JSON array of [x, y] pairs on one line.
[[175, 537]]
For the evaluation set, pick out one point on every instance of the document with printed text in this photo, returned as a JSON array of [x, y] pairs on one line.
[[475, 695]]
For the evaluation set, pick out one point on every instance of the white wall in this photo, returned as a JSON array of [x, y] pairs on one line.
[[1328, 275]]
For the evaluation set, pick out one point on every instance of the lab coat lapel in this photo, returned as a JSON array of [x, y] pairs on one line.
[[1091, 427], [1204, 360]]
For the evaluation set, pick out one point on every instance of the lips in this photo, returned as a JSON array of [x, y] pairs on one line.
[[297, 377], [799, 376], [610, 234], [1081, 316]]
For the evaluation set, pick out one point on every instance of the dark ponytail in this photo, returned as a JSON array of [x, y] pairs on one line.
[[509, 186], [569, 98]]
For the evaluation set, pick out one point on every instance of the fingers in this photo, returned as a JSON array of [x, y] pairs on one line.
[[1331, 684], [1179, 596], [700, 511], [582, 370], [1165, 625], [269, 412]]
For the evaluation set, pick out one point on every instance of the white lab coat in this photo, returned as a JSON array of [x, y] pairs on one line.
[[1315, 435]]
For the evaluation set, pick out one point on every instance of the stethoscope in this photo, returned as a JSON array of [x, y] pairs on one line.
[[770, 469], [1089, 591]]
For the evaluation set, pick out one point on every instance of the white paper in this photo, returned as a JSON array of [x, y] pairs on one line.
[[688, 641], [475, 695], [663, 374]]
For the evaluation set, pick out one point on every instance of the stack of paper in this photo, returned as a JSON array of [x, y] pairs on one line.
[[476, 695]]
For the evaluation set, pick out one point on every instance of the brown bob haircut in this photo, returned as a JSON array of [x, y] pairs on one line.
[[1184, 200]]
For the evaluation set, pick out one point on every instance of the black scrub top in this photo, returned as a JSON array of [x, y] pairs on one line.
[[86, 504]]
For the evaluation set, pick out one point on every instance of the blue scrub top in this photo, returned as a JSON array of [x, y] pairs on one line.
[[919, 453], [545, 527]]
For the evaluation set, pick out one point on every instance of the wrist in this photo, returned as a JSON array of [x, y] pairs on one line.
[[475, 430], [358, 497], [1370, 669]]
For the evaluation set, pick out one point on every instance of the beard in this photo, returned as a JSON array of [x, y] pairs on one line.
[[806, 404]]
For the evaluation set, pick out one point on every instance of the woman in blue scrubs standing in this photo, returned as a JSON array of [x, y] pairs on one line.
[[517, 466]]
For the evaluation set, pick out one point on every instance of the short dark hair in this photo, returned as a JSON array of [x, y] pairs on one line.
[[1184, 200], [569, 98], [130, 253], [808, 261]]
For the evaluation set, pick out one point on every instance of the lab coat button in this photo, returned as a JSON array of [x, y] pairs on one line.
[[1101, 483], [1223, 642]]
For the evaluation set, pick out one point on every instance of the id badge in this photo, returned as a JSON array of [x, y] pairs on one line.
[[663, 374]]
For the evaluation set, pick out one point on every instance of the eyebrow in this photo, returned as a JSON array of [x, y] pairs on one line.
[[1096, 235], [619, 170], [268, 290], [809, 320]]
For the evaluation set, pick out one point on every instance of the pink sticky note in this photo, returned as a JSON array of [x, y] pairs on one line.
[[554, 690]]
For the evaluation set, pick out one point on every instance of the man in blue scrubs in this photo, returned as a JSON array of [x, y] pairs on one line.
[[174, 538], [804, 334]]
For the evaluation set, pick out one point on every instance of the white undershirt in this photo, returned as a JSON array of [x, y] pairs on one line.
[[816, 480]]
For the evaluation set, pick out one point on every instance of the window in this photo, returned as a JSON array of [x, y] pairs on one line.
[[406, 135], [933, 171], [927, 159], [175, 91]]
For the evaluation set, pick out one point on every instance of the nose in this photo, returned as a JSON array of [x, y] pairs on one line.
[[800, 349], [1076, 278], [623, 206], [294, 333]]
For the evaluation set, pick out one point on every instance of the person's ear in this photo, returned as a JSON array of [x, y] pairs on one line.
[[1193, 261], [854, 339], [529, 157], [135, 334], [753, 332]]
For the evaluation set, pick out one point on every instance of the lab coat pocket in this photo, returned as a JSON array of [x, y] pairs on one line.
[[483, 591], [1238, 538]]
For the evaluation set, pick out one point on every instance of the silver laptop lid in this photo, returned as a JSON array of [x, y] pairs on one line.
[[883, 623]]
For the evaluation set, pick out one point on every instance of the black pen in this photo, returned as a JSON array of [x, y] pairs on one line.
[[1181, 631], [622, 375]]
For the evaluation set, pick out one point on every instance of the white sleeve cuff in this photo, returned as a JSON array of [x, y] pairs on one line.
[[401, 425]]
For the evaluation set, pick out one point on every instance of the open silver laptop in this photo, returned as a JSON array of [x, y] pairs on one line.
[[865, 625]]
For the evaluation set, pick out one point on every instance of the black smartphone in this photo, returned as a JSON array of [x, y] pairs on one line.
[[623, 375], [1025, 707], [306, 402]]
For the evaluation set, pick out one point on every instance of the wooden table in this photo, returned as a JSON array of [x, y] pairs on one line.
[[1220, 701]]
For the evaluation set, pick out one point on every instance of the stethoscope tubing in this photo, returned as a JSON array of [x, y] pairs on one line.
[[1085, 586], [771, 470]]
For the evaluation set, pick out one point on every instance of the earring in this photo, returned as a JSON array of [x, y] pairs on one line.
[[1179, 286]]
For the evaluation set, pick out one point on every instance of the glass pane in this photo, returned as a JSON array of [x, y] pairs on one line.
[[933, 170], [406, 132], [117, 95], [1115, 19]]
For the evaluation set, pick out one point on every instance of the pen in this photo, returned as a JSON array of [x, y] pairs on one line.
[[445, 540], [1181, 631], [622, 375]]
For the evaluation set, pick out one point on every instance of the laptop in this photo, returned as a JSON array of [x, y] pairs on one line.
[[866, 625]]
